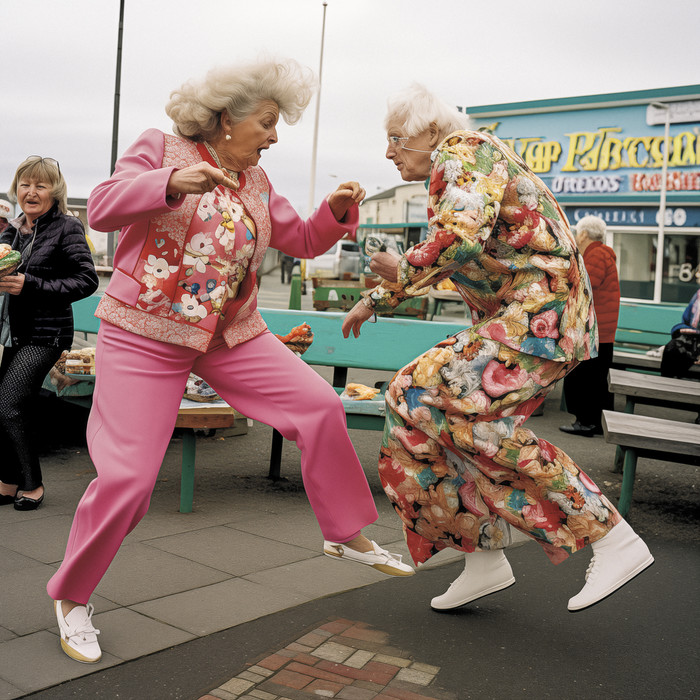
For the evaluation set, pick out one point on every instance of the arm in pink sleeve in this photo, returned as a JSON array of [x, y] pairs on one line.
[[307, 239], [136, 190]]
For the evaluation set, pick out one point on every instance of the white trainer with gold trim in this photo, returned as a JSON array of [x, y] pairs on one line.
[[378, 559]]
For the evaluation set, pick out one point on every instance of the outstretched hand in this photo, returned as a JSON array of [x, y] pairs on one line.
[[386, 265], [198, 179], [355, 318], [344, 197]]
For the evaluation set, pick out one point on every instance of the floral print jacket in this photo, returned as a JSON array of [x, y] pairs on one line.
[[499, 234], [186, 268]]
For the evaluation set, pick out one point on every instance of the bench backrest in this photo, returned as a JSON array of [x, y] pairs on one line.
[[388, 344], [84, 314], [646, 325]]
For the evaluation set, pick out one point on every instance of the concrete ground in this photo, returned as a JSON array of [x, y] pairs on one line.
[[235, 600]]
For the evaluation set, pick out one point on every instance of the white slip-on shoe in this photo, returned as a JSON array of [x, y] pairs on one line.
[[78, 636], [617, 559], [379, 559], [484, 573]]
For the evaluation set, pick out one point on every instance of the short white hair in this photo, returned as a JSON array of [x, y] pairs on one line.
[[197, 106], [594, 226], [416, 108]]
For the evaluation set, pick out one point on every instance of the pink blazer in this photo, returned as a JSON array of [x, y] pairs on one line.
[[134, 200]]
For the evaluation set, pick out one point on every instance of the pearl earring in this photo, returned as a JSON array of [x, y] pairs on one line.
[[228, 137]]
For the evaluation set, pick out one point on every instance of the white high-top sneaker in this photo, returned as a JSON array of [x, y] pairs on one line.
[[484, 573], [617, 558]]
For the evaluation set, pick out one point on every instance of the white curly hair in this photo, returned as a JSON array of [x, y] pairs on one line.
[[196, 107], [594, 226], [416, 108]]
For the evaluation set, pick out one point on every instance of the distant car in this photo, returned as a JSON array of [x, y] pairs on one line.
[[343, 257]]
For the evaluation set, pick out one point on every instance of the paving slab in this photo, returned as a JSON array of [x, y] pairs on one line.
[[233, 551], [222, 605], [128, 635], [140, 572]]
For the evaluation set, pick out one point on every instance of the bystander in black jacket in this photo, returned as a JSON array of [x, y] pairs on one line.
[[58, 270]]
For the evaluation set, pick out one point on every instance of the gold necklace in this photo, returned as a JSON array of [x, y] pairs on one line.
[[233, 175]]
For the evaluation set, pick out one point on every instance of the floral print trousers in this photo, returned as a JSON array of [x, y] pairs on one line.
[[462, 470]]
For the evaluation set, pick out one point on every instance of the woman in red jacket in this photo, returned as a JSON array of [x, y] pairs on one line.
[[586, 388]]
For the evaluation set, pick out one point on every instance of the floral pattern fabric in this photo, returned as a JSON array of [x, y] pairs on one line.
[[499, 234], [459, 465], [457, 462], [216, 253]]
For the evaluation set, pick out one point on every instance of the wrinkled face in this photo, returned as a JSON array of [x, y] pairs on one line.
[[34, 197], [252, 136], [414, 165]]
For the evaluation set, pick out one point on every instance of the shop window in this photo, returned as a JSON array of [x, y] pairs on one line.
[[636, 260], [636, 256], [680, 264]]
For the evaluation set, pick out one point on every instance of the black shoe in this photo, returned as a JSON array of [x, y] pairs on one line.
[[6, 500], [24, 503], [578, 429]]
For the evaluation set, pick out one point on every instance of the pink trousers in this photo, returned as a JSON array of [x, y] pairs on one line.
[[139, 385]]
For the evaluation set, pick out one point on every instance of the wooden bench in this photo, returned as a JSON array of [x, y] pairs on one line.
[[652, 390], [637, 388], [189, 420], [655, 438], [387, 345]]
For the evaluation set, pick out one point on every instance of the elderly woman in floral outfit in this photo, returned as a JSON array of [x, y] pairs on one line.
[[457, 461]]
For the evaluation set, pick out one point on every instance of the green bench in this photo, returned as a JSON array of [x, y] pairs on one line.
[[387, 345], [644, 327]]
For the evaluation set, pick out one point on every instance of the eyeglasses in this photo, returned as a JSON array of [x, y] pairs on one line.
[[398, 142], [41, 159]]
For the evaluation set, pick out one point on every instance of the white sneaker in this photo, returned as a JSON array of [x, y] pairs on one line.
[[484, 573], [379, 559], [617, 558], [78, 636]]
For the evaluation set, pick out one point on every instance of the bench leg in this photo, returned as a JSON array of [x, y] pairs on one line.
[[630, 468], [189, 448], [275, 455], [619, 456]]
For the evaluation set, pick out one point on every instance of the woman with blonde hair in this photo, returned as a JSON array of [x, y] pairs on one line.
[[197, 214], [457, 462], [36, 324]]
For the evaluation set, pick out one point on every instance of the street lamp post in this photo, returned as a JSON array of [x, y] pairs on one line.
[[314, 150], [115, 121], [658, 278]]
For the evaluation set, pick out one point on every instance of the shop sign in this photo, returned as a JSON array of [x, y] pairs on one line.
[[676, 217], [601, 151]]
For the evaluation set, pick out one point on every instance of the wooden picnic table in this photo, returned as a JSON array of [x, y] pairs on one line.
[[646, 436], [654, 390], [651, 390]]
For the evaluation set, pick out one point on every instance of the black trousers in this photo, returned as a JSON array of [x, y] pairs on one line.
[[22, 373], [586, 388], [679, 355]]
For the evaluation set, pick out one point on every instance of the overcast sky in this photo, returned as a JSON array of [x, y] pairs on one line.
[[59, 59]]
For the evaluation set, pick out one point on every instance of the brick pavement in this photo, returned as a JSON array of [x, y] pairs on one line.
[[339, 659]]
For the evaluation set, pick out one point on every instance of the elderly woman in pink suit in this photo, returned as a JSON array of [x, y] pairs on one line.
[[197, 214]]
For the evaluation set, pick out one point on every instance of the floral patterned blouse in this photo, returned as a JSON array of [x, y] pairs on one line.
[[499, 234]]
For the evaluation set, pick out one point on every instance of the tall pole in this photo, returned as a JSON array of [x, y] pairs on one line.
[[115, 120], [658, 278], [314, 150]]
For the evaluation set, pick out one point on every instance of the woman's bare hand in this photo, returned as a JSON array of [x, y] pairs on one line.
[[198, 179], [12, 284], [386, 265], [344, 197], [355, 318]]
